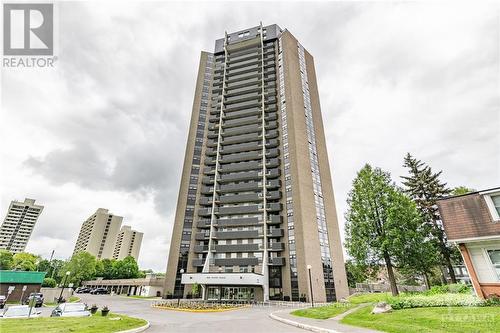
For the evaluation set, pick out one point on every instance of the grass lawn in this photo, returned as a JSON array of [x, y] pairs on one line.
[[323, 312], [96, 323], [432, 320], [369, 298]]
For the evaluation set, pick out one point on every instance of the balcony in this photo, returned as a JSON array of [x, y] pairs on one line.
[[237, 248], [274, 219], [246, 221], [206, 201], [274, 207], [237, 262], [250, 197], [200, 248], [240, 157], [275, 233], [205, 211], [237, 234], [201, 236], [241, 147], [204, 223], [250, 186], [273, 195], [241, 114], [244, 105], [232, 210], [198, 262], [240, 176], [243, 166], [276, 247], [277, 261]]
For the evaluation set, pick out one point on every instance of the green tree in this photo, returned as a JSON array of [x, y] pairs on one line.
[[6, 260], [49, 283], [81, 267], [461, 190], [25, 261], [126, 268], [424, 187], [380, 222], [55, 267], [105, 268], [43, 265], [359, 272]]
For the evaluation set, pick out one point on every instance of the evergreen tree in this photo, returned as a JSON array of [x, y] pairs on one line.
[[424, 187]]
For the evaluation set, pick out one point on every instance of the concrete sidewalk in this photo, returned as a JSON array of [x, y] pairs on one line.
[[331, 325]]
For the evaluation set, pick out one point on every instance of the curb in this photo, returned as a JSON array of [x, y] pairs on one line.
[[301, 325], [138, 329]]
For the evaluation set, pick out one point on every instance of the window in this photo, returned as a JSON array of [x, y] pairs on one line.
[[493, 202], [496, 202], [495, 260]]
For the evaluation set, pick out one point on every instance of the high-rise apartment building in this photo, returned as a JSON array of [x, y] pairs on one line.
[[18, 225], [98, 234], [128, 243], [256, 215]]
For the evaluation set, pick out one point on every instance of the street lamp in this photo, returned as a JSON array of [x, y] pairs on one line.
[[64, 283], [310, 285]]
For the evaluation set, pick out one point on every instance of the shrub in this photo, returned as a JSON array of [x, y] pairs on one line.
[[49, 283], [456, 288], [436, 300]]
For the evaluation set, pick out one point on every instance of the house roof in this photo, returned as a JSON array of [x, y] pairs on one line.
[[21, 277]]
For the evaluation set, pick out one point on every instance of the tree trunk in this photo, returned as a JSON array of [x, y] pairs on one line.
[[390, 274], [453, 278], [427, 282]]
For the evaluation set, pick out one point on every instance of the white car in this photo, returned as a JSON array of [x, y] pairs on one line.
[[71, 310], [19, 311]]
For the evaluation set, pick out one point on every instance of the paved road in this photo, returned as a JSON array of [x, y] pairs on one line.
[[253, 319]]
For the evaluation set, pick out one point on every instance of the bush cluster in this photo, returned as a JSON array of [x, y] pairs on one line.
[[197, 305], [456, 288], [435, 300]]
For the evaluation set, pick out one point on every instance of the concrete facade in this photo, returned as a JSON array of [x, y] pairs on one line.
[[98, 234], [128, 243], [256, 120], [18, 225], [472, 222]]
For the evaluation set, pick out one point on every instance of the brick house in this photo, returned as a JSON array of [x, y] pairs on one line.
[[472, 222]]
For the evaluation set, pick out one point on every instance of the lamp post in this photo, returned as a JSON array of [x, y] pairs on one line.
[[310, 285], [179, 295], [62, 288]]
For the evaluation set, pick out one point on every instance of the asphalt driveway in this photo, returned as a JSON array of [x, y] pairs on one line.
[[254, 319]]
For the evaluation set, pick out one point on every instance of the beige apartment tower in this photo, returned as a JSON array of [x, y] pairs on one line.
[[18, 225], [256, 214], [128, 243], [98, 234]]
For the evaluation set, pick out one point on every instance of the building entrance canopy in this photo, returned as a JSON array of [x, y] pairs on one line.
[[248, 279]]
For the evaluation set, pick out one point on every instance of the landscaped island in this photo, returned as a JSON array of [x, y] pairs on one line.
[[451, 309], [96, 323]]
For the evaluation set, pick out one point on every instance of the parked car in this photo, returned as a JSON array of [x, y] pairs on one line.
[[38, 299], [19, 311], [99, 291], [3, 299], [70, 310], [83, 290]]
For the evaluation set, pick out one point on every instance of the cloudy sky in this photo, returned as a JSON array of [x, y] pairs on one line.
[[107, 126]]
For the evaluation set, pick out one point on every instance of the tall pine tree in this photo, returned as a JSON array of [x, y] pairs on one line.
[[424, 187]]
